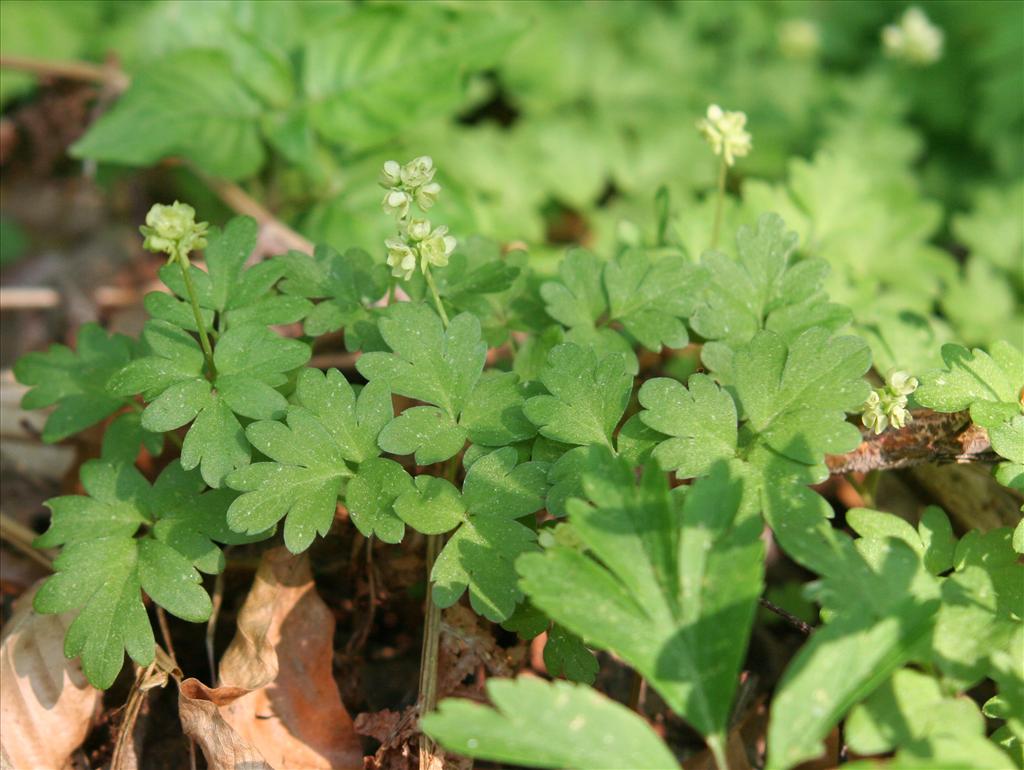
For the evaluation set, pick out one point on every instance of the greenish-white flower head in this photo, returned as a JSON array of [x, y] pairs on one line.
[[799, 39], [396, 203], [914, 39], [401, 258], [726, 133], [391, 174], [417, 242], [419, 229], [418, 172], [436, 248], [173, 230], [888, 405]]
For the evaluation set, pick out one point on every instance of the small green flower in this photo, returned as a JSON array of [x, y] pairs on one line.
[[888, 404], [396, 203], [436, 248], [401, 258], [726, 134], [391, 174], [173, 230], [914, 39], [419, 229], [426, 196], [418, 172]]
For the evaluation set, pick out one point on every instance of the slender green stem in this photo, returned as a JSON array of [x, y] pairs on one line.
[[437, 297], [717, 746], [204, 338], [719, 202], [431, 633]]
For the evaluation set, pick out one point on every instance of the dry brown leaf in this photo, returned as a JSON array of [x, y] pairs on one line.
[[224, 749], [46, 704], [277, 690]]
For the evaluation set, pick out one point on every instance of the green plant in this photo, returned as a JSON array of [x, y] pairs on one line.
[[665, 575]]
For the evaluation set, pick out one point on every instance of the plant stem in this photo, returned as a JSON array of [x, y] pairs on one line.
[[204, 339], [437, 297], [717, 746], [719, 203], [431, 634]]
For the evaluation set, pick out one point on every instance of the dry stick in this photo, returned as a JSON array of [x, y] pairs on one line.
[[789, 617], [932, 437], [104, 74], [20, 537], [211, 625], [243, 203]]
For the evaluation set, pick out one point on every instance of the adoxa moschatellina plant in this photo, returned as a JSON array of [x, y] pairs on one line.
[[560, 489]]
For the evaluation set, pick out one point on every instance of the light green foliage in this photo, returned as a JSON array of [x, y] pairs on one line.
[[106, 561], [251, 362], [991, 386], [432, 364], [74, 381], [188, 104], [648, 294], [761, 290], [229, 293], [700, 419], [329, 435], [675, 589], [549, 724], [588, 396], [481, 553], [347, 283]]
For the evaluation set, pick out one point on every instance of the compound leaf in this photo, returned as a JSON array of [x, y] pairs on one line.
[[548, 724], [588, 396], [74, 381]]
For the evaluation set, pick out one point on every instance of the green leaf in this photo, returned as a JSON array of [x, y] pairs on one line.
[[125, 435], [566, 655], [427, 431], [674, 591], [74, 381], [972, 377], [795, 396], [761, 290], [215, 443], [699, 419], [578, 299], [910, 707], [190, 104], [548, 724], [428, 363], [105, 564], [493, 415], [348, 284], [651, 295], [371, 496], [192, 519], [481, 554], [588, 396], [327, 429], [433, 507]]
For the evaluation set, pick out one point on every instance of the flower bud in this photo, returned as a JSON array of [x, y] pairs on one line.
[[915, 39], [391, 175], [173, 230], [418, 171], [419, 229], [426, 196], [726, 134], [401, 258], [396, 203], [435, 249]]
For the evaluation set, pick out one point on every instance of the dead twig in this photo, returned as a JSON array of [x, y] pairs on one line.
[[20, 537], [105, 74], [932, 437]]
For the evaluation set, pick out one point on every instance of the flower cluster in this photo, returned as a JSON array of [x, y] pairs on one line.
[[914, 40], [418, 243], [726, 133], [888, 404], [173, 230]]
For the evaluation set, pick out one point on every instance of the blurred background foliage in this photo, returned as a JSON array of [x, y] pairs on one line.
[[557, 122]]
